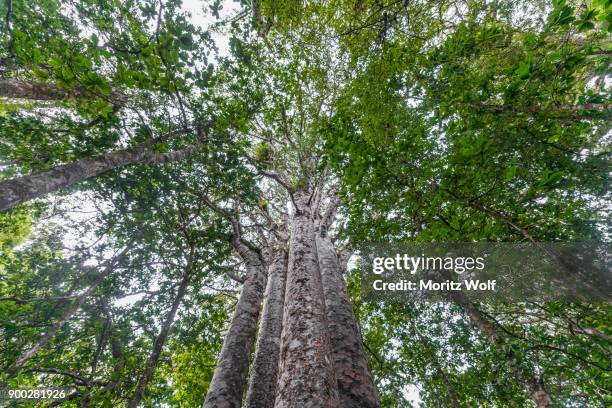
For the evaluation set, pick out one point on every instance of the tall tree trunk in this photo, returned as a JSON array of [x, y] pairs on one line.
[[228, 382], [306, 370], [19, 190], [42, 342], [264, 373], [531, 384], [355, 382], [162, 336]]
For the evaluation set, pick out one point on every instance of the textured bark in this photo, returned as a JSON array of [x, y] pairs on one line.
[[306, 371], [19, 190], [531, 384], [16, 89], [161, 338], [228, 382], [355, 382], [262, 384], [13, 88], [45, 338]]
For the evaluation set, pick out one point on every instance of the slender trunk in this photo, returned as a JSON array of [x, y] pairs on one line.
[[100, 347], [450, 390], [264, 373], [531, 384], [355, 382], [430, 349], [19, 190], [228, 382], [106, 331], [161, 338], [118, 356], [306, 371], [42, 342]]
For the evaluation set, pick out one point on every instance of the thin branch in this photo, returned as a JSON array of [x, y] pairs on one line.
[[245, 249], [79, 379], [44, 339]]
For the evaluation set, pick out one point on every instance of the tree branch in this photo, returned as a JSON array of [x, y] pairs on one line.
[[264, 27], [79, 379]]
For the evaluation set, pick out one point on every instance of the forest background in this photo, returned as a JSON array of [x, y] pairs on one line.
[[161, 163]]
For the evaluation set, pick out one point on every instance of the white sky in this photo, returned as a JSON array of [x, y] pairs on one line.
[[203, 18]]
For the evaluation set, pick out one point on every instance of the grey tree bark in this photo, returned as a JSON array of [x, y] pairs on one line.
[[227, 386], [355, 381], [532, 385], [21, 189], [13, 88], [264, 372], [306, 370], [16, 89], [162, 336]]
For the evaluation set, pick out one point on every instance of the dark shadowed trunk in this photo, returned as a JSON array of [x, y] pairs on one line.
[[228, 382], [161, 337], [42, 342], [355, 382], [532, 385], [22, 189], [306, 371], [118, 357], [264, 373]]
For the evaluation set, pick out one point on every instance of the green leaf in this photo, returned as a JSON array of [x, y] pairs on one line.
[[104, 88], [523, 70], [530, 41], [561, 15]]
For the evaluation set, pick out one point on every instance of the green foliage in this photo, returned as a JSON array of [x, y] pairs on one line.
[[14, 228], [439, 122], [264, 154], [475, 131]]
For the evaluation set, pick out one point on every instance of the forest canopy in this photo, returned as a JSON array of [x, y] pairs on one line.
[[186, 188]]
